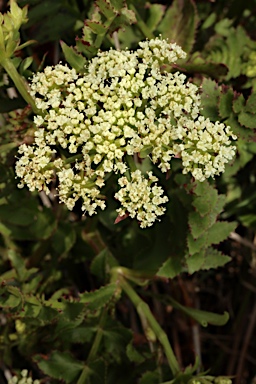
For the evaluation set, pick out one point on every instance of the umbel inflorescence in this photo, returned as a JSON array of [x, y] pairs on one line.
[[125, 106]]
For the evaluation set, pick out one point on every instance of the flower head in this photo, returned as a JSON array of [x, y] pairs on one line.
[[125, 104]]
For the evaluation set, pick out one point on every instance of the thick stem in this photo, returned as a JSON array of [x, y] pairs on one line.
[[142, 307], [86, 372], [20, 84]]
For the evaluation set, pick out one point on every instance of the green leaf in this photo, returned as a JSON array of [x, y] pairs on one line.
[[99, 298], [225, 103], [107, 9], [10, 297], [202, 317], [133, 355], [207, 197], [206, 259], [223, 27], [209, 21], [64, 238], [61, 366], [198, 225], [22, 215], [251, 104], [238, 103], [96, 27], [76, 60], [156, 13], [103, 263], [150, 378], [195, 262], [170, 268], [179, 23], [214, 259], [116, 338], [195, 245], [25, 64], [247, 119], [209, 99], [220, 231]]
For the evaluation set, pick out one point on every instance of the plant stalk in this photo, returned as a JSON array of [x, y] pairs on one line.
[[94, 349], [142, 307], [19, 84]]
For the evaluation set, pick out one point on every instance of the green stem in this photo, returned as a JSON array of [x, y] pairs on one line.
[[98, 337], [86, 372], [141, 24], [20, 84], [93, 352], [142, 307]]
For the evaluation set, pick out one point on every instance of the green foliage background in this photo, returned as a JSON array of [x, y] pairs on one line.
[[78, 293]]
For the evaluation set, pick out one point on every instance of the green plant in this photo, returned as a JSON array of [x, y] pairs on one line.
[[82, 296]]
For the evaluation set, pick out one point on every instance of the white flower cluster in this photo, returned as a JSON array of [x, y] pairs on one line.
[[24, 379], [139, 199], [125, 104]]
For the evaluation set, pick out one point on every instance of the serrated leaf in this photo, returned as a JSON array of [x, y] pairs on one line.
[[117, 4], [251, 104], [198, 225], [206, 259], [96, 27], [202, 317], [76, 60], [106, 8], [179, 24], [206, 199], [209, 99], [238, 103], [247, 119], [61, 366], [214, 259], [99, 298], [225, 103], [219, 231], [195, 262], [195, 245], [171, 267]]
